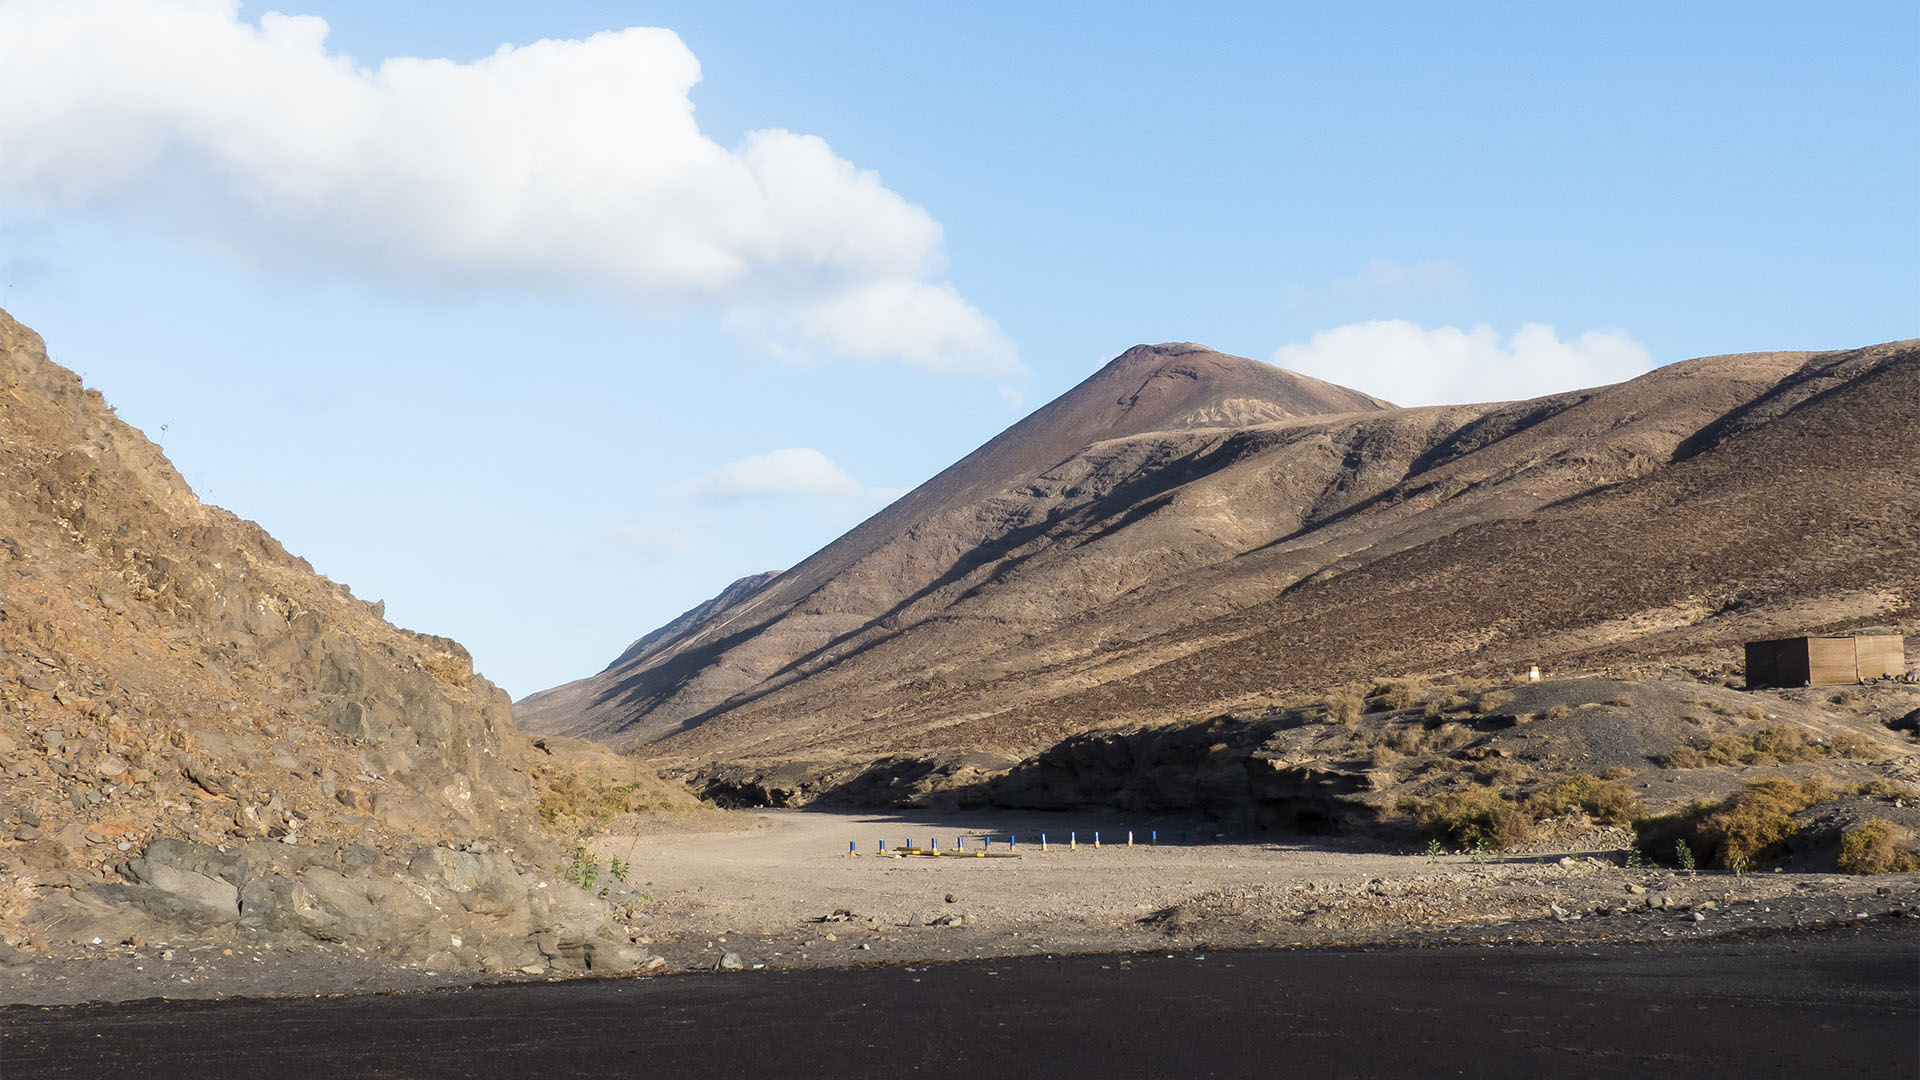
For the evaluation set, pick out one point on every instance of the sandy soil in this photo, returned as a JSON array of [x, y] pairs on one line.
[[761, 891]]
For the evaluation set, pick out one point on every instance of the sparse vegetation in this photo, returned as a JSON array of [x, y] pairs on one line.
[[1878, 846], [579, 867], [597, 799], [1398, 693], [1558, 712], [1622, 701], [1471, 815], [1608, 802], [1748, 826], [1777, 745], [1344, 707]]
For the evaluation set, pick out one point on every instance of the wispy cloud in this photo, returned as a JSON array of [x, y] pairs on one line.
[[650, 540], [1411, 365], [573, 165], [794, 471], [1437, 281]]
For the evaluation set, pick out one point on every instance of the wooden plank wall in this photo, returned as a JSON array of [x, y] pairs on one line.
[[1831, 661], [1880, 657]]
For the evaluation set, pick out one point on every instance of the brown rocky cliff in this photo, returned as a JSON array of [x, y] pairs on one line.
[[198, 730]]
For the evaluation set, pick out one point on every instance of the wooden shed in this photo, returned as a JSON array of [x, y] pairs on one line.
[[1825, 661]]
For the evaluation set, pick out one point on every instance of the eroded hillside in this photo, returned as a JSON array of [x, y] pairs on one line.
[[1183, 565], [201, 736]]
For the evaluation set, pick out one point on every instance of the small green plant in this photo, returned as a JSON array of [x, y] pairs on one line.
[[618, 868], [1684, 856], [1481, 852], [1434, 851], [579, 867], [1635, 860]]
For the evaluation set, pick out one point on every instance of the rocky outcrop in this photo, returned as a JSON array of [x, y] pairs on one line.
[[200, 734]]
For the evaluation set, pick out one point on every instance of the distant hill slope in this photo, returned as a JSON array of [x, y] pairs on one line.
[[1195, 557]]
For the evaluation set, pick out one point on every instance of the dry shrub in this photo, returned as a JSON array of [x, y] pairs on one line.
[[588, 799], [1617, 772], [1844, 697], [1344, 706], [1492, 700], [1881, 787], [1471, 815], [1502, 771], [1409, 739], [1398, 693], [1683, 757], [1777, 745], [1749, 825], [1852, 744], [1623, 701], [1878, 846], [1754, 712], [1558, 712], [1609, 802]]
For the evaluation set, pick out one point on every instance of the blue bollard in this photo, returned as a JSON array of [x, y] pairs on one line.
[[1154, 838], [1043, 841], [849, 847], [1013, 841], [1096, 838], [883, 845]]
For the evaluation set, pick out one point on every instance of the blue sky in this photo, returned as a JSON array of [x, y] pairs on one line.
[[519, 345]]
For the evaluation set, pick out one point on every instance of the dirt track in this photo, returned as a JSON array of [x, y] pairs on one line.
[[1835, 1004]]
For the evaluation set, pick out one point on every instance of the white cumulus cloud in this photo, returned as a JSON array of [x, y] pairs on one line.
[[793, 471], [1411, 365], [558, 164]]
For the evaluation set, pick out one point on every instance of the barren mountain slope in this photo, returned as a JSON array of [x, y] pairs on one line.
[[879, 570], [1120, 561], [199, 736]]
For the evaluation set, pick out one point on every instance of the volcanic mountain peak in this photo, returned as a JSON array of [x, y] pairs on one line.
[[903, 556]]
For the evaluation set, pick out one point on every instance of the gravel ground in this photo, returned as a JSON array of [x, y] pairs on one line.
[[778, 889]]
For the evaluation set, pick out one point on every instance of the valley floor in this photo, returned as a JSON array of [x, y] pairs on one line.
[[778, 889]]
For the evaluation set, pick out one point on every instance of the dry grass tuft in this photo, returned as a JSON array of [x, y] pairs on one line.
[[1398, 693], [1344, 707]]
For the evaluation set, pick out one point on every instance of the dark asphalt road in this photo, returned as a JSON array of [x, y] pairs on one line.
[[1841, 1005]]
